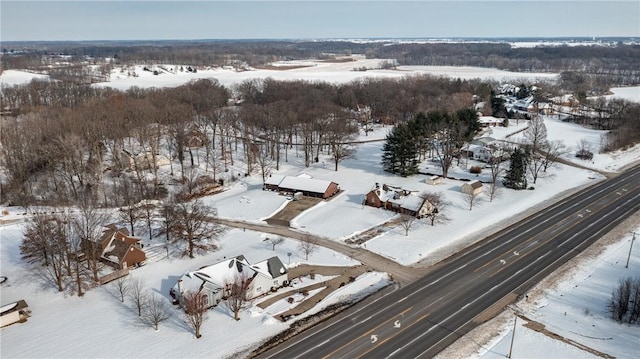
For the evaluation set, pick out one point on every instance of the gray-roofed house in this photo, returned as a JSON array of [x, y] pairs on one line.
[[311, 187]]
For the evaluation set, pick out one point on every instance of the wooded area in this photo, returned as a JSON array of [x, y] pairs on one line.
[[66, 141]]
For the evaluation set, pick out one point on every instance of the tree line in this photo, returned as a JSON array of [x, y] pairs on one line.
[[70, 141], [605, 65]]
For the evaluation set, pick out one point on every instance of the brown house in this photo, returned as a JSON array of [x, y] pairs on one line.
[[399, 200], [307, 186], [117, 249]]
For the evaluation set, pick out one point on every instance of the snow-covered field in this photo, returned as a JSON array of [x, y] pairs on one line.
[[98, 325]]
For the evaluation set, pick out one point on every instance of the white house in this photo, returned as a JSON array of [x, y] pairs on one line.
[[212, 281]]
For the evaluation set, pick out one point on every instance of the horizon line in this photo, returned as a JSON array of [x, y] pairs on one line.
[[346, 38]]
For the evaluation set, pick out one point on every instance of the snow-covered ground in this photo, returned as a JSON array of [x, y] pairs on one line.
[[98, 325]]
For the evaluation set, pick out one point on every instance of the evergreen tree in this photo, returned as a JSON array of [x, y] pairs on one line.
[[516, 176], [399, 153], [470, 125], [523, 92], [497, 106]]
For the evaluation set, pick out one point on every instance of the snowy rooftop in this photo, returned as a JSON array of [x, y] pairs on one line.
[[304, 184]]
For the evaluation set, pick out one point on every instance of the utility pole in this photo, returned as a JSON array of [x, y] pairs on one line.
[[631, 246], [513, 335]]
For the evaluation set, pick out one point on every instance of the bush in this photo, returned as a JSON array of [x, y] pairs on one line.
[[475, 169], [584, 155], [624, 305]]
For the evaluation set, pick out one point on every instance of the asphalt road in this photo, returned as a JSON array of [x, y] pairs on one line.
[[420, 319]]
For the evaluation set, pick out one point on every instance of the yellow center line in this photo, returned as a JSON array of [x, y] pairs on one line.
[[524, 255], [393, 335], [520, 245], [369, 332]]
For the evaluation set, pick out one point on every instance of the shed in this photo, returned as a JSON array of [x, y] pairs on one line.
[[14, 313], [473, 187], [433, 180]]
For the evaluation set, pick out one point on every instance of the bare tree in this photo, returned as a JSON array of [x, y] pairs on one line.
[[89, 227], [236, 292], [138, 295], [196, 223], [274, 241], [496, 169], [156, 310], [407, 221], [494, 191], [340, 135], [44, 242], [584, 150], [551, 154], [130, 212], [195, 308], [264, 161], [122, 287], [438, 214], [619, 303], [77, 255], [536, 134], [148, 210], [535, 138], [169, 221], [470, 198], [308, 245]]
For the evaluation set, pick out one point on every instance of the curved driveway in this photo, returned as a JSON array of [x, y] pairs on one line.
[[401, 274]]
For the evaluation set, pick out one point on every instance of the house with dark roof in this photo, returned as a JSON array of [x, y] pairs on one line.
[[117, 248], [213, 281], [399, 200], [308, 186]]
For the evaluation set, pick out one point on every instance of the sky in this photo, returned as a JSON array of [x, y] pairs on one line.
[[25, 20]]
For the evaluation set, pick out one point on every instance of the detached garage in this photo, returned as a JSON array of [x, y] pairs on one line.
[[310, 187]]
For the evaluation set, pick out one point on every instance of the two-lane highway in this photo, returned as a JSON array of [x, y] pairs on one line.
[[422, 318]]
